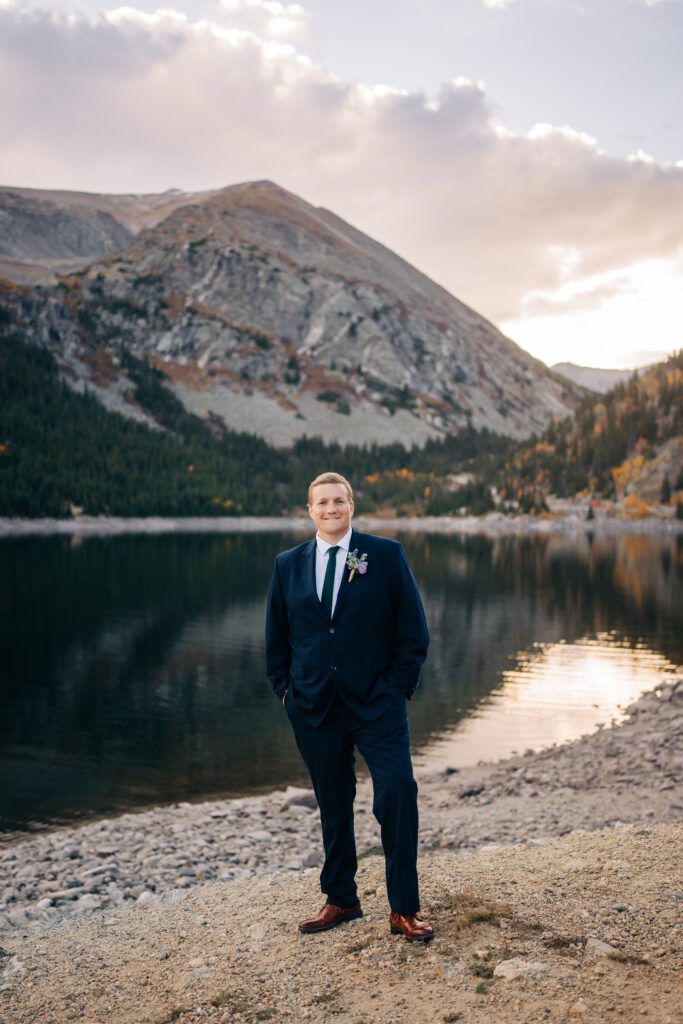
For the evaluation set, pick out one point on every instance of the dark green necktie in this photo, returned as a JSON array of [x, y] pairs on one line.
[[328, 583]]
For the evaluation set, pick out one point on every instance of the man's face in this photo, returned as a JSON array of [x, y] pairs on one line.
[[331, 510]]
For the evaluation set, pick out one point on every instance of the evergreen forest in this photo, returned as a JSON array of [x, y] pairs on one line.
[[62, 451]]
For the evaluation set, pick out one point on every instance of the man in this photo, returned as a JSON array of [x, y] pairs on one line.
[[345, 639]]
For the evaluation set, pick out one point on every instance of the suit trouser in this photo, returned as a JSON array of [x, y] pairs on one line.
[[327, 750]]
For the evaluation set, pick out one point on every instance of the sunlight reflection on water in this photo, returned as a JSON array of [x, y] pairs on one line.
[[554, 693]]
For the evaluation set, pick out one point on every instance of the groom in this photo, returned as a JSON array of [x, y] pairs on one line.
[[345, 638]]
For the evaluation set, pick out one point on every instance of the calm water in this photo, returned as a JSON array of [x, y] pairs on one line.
[[132, 667]]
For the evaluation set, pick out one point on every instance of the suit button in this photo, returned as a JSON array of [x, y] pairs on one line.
[[331, 631]]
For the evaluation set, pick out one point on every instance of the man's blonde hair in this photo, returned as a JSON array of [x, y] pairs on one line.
[[330, 478]]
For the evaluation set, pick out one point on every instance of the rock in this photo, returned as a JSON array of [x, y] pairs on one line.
[[294, 795], [508, 970], [87, 902], [599, 948], [172, 896], [106, 851], [468, 791], [302, 810], [16, 918], [64, 894], [15, 966], [577, 1009], [198, 972]]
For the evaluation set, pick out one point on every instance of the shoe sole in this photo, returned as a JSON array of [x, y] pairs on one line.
[[412, 938], [326, 927]]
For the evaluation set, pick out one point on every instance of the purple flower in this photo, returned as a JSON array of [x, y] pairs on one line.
[[356, 564]]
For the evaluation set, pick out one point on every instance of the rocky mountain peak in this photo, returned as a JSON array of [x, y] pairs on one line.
[[280, 318]]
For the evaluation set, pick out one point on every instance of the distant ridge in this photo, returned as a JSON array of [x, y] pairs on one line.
[[598, 380]]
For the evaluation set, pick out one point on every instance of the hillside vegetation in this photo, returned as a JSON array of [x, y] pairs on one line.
[[61, 452], [627, 442]]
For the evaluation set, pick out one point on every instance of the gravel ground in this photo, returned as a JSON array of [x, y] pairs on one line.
[[584, 926], [189, 913]]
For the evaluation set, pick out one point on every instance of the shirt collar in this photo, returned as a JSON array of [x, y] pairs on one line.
[[345, 542]]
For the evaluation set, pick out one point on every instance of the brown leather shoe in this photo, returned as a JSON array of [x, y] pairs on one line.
[[329, 917], [410, 926]]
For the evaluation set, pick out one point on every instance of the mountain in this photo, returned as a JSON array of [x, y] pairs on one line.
[[628, 443], [47, 232], [263, 312], [63, 453], [591, 377]]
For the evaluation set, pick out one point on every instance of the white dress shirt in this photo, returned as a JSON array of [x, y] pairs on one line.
[[322, 547]]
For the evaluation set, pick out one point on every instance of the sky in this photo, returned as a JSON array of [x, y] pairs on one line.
[[526, 154]]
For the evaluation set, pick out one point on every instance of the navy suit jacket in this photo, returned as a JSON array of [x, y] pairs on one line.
[[372, 649]]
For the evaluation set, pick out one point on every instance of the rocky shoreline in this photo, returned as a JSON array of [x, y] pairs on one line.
[[628, 773], [565, 516]]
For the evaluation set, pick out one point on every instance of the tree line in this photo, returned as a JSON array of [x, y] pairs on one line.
[[63, 451]]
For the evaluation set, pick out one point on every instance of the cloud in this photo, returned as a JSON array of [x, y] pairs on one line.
[[269, 18], [632, 314], [580, 296], [135, 101]]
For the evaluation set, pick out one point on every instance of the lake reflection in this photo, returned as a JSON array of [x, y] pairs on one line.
[[555, 693], [132, 667]]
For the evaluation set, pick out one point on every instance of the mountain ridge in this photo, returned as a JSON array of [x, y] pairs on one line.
[[282, 319], [597, 379]]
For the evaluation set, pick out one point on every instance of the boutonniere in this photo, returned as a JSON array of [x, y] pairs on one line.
[[356, 564]]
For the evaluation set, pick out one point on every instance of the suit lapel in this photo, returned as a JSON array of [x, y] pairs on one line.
[[345, 586], [308, 572]]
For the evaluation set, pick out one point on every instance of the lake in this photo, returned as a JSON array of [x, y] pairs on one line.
[[133, 666]]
